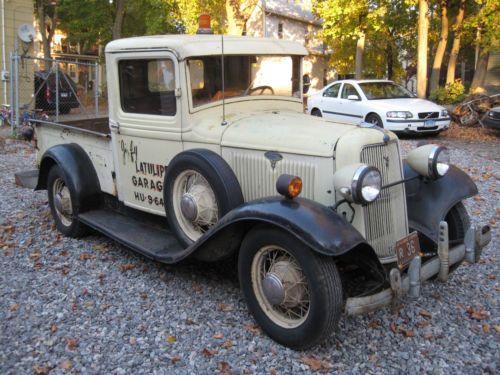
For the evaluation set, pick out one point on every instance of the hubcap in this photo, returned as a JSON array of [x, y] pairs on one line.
[[273, 288], [195, 205], [62, 202]]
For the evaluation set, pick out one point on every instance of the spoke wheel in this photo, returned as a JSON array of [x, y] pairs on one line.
[[195, 204], [280, 286], [61, 202], [293, 293]]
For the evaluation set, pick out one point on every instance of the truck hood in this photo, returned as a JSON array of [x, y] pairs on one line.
[[284, 131]]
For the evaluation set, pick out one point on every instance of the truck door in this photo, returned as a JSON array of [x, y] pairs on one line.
[[145, 122]]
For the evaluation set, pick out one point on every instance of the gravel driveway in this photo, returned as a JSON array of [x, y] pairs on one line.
[[92, 306]]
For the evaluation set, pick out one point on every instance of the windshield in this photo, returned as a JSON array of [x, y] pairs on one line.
[[384, 90], [244, 76]]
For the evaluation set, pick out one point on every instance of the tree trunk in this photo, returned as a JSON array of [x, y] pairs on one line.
[[450, 75], [480, 73], [360, 49], [390, 61], [423, 29], [46, 35], [119, 16], [441, 48]]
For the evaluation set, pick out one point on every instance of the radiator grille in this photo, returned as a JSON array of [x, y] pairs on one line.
[[385, 219], [424, 115], [258, 179]]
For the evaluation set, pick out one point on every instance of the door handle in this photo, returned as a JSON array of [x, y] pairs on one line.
[[116, 126]]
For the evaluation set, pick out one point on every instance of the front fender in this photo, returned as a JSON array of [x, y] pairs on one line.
[[428, 201], [317, 226]]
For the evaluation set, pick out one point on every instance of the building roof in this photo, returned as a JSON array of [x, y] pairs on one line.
[[300, 11], [203, 45]]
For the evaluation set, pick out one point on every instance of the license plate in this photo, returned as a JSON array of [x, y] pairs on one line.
[[406, 249], [429, 123], [64, 95]]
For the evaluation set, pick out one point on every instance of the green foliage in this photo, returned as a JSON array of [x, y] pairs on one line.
[[450, 94]]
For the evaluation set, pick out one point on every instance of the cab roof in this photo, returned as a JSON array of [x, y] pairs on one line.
[[202, 45]]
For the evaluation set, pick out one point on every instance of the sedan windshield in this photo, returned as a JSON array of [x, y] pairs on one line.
[[384, 90], [244, 76]]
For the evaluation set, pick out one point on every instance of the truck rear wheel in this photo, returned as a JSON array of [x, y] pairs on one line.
[[62, 205], [294, 293], [200, 188]]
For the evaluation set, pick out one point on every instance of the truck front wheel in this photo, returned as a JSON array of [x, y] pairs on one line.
[[294, 293], [62, 205]]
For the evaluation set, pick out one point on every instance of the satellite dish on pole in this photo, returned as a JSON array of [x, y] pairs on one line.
[[26, 33]]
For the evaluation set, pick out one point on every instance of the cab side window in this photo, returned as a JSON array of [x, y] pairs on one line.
[[349, 89], [332, 91], [148, 86]]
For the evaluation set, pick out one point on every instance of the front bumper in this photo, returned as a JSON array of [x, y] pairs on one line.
[[410, 282], [417, 125]]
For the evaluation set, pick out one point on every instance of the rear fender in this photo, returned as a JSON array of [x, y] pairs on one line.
[[78, 172], [428, 201]]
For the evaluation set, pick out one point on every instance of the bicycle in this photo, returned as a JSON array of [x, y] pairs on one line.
[[5, 115], [474, 111]]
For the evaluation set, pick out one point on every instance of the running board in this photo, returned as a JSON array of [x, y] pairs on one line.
[[139, 235]]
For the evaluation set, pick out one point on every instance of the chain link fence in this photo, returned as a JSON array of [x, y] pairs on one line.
[[55, 90]]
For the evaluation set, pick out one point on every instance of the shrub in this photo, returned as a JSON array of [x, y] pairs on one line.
[[450, 94]]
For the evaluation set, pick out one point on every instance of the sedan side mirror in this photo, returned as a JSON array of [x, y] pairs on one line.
[[353, 97]]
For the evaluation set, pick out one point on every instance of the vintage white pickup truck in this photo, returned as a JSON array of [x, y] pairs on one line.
[[205, 153]]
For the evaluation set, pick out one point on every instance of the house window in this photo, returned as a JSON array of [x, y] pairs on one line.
[[280, 30], [306, 38]]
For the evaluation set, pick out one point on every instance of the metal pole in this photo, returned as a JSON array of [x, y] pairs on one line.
[[57, 90], [96, 89], [12, 91], [17, 88]]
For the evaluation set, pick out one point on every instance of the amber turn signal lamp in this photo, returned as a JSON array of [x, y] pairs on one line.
[[289, 186], [204, 24]]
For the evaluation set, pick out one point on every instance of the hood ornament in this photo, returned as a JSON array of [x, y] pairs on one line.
[[273, 157]]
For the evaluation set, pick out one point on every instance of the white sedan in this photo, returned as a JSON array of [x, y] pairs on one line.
[[380, 102]]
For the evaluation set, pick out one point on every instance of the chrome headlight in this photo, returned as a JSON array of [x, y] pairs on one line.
[[358, 183], [430, 161], [445, 113], [399, 114]]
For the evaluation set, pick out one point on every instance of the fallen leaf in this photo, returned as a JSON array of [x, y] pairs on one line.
[[105, 306], [132, 340], [127, 267], [64, 253], [35, 255], [375, 324], [14, 307], [272, 372], [436, 296], [425, 314], [208, 352], [102, 276], [224, 368], [316, 364], [492, 277], [101, 247], [189, 322], [171, 339], [53, 328], [218, 336], [175, 359], [224, 307], [86, 256], [478, 314], [407, 332], [227, 344], [71, 343], [394, 328], [428, 336], [486, 328], [253, 328], [497, 328], [65, 270], [40, 370], [424, 323], [66, 365]]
